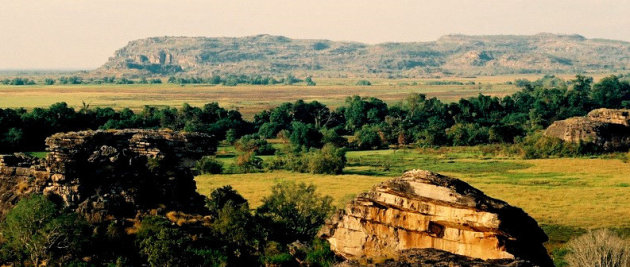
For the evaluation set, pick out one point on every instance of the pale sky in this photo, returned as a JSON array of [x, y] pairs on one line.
[[71, 34]]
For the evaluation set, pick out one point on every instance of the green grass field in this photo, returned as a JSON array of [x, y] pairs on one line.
[[566, 196]]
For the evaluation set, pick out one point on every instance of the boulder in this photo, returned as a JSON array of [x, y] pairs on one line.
[[110, 174], [425, 210], [608, 129]]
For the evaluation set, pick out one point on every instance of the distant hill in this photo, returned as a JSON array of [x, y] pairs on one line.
[[449, 55]]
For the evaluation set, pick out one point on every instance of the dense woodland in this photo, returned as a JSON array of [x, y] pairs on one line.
[[369, 122]]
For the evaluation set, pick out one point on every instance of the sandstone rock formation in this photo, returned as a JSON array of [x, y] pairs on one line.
[[424, 210], [114, 173], [609, 129]]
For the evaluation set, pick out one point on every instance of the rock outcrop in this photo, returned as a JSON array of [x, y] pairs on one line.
[[110, 174], [450, 54], [424, 210], [608, 129]]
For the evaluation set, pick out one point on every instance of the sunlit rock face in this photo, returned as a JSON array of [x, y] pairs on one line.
[[608, 129], [110, 174], [424, 210]]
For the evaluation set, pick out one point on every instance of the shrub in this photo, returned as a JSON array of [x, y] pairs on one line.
[[161, 243], [329, 160], [363, 83], [248, 162], [223, 196], [294, 211], [319, 254], [209, 164], [598, 248], [37, 229], [254, 143]]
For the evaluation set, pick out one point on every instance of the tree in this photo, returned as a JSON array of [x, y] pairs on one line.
[[294, 211], [305, 136], [209, 164], [309, 81], [610, 92], [369, 137], [36, 228], [162, 244]]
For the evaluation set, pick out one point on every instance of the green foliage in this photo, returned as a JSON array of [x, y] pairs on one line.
[[254, 143], [332, 136], [363, 83], [319, 254], [370, 137], [537, 145], [224, 196], [162, 244], [304, 136], [309, 81], [610, 92], [209, 164], [230, 136], [294, 211], [330, 160], [36, 229]]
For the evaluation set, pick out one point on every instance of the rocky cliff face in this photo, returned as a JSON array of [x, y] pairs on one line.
[[424, 210], [104, 174], [452, 54], [606, 128]]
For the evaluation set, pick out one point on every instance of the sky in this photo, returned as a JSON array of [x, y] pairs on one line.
[[83, 34]]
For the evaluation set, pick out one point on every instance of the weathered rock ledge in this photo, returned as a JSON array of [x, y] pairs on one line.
[[424, 210], [609, 129], [110, 174]]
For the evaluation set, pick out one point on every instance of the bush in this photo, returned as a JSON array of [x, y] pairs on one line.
[[37, 229], [294, 212], [162, 244], [363, 83], [319, 254], [598, 248], [254, 143], [329, 160], [248, 162], [224, 196], [209, 164]]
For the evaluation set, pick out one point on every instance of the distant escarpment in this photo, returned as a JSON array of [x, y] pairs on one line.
[[426, 219], [449, 55], [608, 129], [110, 174]]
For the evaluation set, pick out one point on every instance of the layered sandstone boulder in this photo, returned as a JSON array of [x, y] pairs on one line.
[[110, 174], [424, 210], [608, 129]]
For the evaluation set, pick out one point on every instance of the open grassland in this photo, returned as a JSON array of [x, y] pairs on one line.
[[251, 99], [248, 99], [582, 192]]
